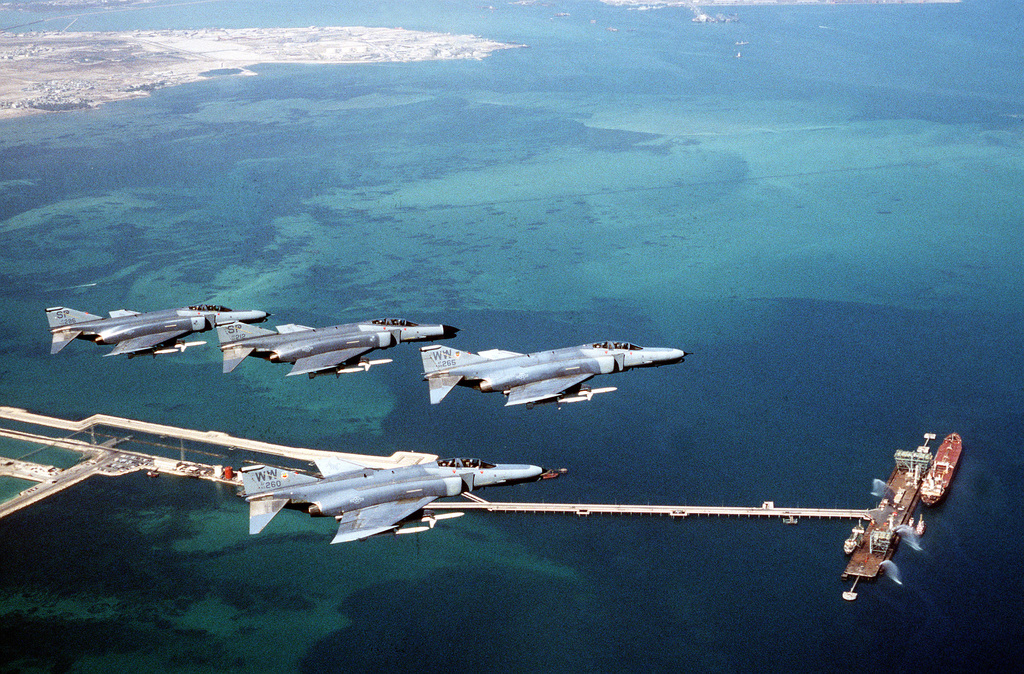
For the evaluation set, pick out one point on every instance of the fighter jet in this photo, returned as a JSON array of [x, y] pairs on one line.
[[315, 351], [368, 501], [542, 377], [135, 333]]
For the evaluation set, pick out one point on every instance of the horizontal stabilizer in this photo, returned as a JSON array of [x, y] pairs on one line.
[[235, 355], [62, 339], [123, 313], [261, 512], [145, 343], [440, 387]]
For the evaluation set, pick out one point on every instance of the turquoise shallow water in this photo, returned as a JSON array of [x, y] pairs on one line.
[[832, 222], [12, 486]]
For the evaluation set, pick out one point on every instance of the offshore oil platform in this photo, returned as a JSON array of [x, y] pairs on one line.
[[871, 547]]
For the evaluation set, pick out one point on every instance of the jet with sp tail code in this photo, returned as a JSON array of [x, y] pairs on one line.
[[134, 333], [315, 351], [369, 501], [543, 377]]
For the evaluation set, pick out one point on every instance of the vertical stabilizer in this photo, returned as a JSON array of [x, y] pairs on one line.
[[58, 317], [259, 479], [232, 332], [437, 358]]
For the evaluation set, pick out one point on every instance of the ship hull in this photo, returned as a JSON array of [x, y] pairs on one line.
[[936, 481]]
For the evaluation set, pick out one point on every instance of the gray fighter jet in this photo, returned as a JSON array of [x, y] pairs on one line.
[[368, 501], [315, 351], [542, 377], [135, 333]]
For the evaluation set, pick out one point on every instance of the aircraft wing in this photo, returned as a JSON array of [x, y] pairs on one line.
[[326, 361], [331, 465], [543, 389], [146, 342], [355, 525]]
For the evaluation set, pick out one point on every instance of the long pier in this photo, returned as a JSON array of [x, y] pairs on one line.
[[767, 509]]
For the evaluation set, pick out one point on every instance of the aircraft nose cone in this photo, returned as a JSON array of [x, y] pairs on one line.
[[520, 473], [674, 356], [448, 331]]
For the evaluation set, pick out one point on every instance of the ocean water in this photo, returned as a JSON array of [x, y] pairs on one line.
[[832, 223]]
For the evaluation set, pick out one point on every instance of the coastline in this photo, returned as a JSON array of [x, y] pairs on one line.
[[56, 71]]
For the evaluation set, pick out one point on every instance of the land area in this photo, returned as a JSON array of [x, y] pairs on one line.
[[53, 71], [650, 4]]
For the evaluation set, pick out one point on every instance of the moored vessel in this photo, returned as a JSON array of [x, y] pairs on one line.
[[856, 536], [936, 481]]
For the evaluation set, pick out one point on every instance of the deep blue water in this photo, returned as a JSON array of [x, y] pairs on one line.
[[831, 222]]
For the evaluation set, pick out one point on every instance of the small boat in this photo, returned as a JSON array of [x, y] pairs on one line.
[[919, 529], [856, 536], [152, 473]]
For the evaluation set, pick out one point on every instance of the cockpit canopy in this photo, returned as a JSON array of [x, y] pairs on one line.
[[626, 346], [209, 307], [393, 321], [464, 463]]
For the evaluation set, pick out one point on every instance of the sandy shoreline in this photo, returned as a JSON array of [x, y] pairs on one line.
[[53, 71]]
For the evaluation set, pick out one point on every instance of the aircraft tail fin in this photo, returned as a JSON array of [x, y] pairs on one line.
[[258, 479], [60, 316], [438, 357], [262, 511], [232, 332]]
